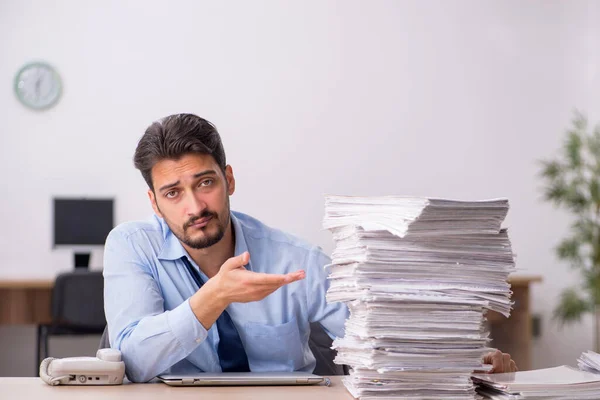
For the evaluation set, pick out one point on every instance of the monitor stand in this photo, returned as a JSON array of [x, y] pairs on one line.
[[82, 261]]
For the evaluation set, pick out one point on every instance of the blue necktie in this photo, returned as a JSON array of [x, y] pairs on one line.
[[232, 355]]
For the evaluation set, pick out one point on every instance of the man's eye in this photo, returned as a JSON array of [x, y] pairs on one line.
[[207, 182], [171, 194]]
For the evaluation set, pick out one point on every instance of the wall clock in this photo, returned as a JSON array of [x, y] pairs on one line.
[[38, 85]]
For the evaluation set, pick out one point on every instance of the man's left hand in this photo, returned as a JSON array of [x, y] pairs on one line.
[[501, 362]]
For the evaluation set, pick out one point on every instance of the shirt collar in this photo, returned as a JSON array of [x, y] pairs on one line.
[[174, 250]]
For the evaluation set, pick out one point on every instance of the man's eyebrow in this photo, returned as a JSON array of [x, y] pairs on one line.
[[198, 175], [207, 172], [168, 186]]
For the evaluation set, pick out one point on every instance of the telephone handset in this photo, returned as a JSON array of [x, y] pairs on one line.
[[104, 369]]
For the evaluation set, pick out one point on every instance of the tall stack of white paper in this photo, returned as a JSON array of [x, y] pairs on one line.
[[418, 275]]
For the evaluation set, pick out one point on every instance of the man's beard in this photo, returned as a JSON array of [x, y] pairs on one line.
[[208, 239]]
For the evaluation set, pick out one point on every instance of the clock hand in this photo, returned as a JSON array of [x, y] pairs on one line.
[[38, 83]]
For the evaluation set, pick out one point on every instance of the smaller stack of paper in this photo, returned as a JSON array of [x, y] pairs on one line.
[[558, 383], [589, 361]]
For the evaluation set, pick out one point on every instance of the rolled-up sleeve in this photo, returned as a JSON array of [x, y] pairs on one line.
[[150, 339]]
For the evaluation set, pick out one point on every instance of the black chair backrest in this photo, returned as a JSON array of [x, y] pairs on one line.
[[319, 343], [78, 300]]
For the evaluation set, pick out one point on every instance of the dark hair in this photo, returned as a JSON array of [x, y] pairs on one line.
[[175, 136]]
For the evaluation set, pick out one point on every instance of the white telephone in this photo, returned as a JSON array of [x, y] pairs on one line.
[[104, 369]]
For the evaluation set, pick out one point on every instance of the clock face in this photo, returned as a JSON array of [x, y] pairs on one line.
[[38, 86]]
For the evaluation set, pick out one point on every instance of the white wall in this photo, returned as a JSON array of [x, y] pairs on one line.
[[444, 98]]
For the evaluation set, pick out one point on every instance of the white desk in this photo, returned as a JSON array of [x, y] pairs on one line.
[[34, 388]]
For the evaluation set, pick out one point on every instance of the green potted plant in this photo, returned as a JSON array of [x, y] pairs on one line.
[[572, 182]]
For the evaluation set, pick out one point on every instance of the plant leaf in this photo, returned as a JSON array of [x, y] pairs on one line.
[[593, 143], [571, 307], [585, 231], [592, 284], [551, 170], [595, 191], [579, 121], [569, 250], [573, 149], [556, 192], [575, 199]]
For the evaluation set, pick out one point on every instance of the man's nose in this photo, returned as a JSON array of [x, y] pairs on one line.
[[195, 205]]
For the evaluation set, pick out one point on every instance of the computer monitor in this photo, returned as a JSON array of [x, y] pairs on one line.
[[82, 223]]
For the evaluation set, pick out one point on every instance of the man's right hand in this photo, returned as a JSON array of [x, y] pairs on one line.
[[235, 284]]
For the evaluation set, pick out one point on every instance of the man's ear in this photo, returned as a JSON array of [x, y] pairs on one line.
[[152, 198], [230, 180]]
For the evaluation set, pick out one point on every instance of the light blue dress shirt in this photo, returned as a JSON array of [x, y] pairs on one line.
[[146, 298]]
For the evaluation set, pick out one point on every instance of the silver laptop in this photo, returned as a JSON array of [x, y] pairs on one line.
[[241, 379]]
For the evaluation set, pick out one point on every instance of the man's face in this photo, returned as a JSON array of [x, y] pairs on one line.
[[192, 195]]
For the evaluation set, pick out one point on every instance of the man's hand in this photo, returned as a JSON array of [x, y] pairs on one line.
[[501, 362], [235, 284]]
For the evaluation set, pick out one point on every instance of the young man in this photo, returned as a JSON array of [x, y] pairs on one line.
[[201, 288]]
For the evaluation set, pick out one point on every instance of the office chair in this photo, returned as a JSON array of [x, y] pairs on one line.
[[319, 343], [77, 308]]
